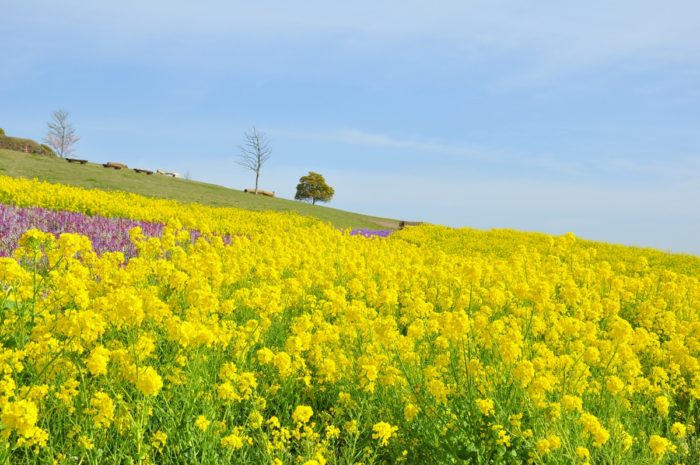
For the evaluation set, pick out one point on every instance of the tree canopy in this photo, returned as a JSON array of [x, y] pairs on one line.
[[313, 187]]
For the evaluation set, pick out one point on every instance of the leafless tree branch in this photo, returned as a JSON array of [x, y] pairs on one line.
[[254, 152], [61, 136]]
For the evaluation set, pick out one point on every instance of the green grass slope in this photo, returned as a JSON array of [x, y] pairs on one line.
[[91, 175], [24, 145]]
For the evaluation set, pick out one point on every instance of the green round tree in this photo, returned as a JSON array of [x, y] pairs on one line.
[[314, 188]]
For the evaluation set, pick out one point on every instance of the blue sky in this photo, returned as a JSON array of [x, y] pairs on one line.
[[548, 116]]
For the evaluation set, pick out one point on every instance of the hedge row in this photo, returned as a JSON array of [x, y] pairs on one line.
[[24, 145]]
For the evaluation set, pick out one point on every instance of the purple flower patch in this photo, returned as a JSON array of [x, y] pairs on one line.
[[371, 232], [106, 234]]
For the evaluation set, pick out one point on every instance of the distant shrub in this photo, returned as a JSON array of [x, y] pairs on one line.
[[25, 145], [48, 150], [2, 132]]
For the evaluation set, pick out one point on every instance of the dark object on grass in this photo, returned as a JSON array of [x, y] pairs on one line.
[[261, 192], [115, 165], [139, 170], [76, 160], [403, 224], [172, 174]]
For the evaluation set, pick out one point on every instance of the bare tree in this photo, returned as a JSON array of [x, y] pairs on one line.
[[61, 136], [255, 151]]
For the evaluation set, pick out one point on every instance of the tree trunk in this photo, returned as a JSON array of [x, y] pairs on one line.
[[313, 200], [257, 176]]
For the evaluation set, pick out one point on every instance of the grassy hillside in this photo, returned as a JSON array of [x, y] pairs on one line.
[[93, 175], [24, 145]]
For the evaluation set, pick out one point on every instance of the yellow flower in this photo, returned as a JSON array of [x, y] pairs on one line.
[[614, 385], [226, 391], [548, 444], [524, 372], [410, 412], [255, 419], [592, 426], [68, 391], [21, 415], [302, 414], [515, 420], [283, 362], [86, 443], [678, 429], [369, 376], [572, 403], [661, 403], [232, 441], [344, 398], [351, 427], [201, 423], [158, 440], [149, 381], [503, 437], [247, 384], [583, 453], [102, 409], [97, 362], [383, 431], [436, 312], [332, 432], [235, 440], [485, 406], [627, 441], [658, 445]]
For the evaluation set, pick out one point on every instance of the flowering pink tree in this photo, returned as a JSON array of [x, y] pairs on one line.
[[61, 136]]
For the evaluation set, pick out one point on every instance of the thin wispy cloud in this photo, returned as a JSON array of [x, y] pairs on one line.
[[483, 155], [369, 139], [674, 167]]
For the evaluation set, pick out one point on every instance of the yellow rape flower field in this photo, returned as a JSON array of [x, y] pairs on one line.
[[277, 339]]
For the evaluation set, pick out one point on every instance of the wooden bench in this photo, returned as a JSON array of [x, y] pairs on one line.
[[139, 170], [261, 192], [76, 160], [115, 165], [168, 173]]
